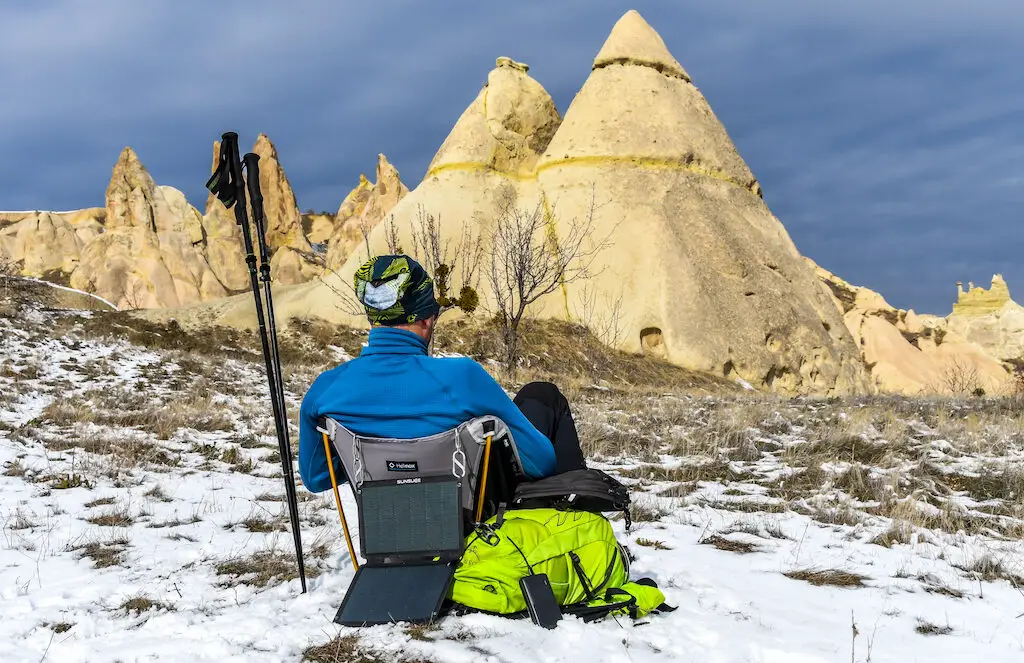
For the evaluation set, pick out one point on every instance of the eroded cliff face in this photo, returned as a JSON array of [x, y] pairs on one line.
[[910, 353]]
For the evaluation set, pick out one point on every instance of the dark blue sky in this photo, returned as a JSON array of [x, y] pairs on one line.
[[888, 134]]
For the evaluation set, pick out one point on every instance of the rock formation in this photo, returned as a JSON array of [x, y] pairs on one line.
[[991, 319], [702, 264], [41, 243], [363, 208], [318, 227], [292, 257], [910, 353], [150, 254], [224, 251], [705, 275], [48, 244]]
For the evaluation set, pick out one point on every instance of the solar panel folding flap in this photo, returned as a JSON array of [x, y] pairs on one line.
[[410, 593], [411, 534]]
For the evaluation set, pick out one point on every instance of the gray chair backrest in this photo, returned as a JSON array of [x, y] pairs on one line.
[[457, 452]]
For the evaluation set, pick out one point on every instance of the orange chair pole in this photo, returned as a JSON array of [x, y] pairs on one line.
[[337, 500], [483, 480]]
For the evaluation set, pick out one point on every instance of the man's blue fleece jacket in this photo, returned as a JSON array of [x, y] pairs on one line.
[[394, 389]]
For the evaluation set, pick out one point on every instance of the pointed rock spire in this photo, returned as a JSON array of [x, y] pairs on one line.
[[634, 41], [637, 106], [363, 209], [506, 128]]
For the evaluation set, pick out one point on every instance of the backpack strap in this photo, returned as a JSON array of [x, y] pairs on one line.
[[613, 601], [577, 565]]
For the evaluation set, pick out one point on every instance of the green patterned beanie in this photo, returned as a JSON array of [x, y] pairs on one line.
[[395, 290]]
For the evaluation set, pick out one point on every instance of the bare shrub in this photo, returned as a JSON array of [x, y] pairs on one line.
[[602, 316], [961, 377], [453, 265], [527, 260], [444, 260]]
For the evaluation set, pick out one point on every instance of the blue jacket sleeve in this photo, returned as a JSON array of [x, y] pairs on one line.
[[485, 396], [312, 457]]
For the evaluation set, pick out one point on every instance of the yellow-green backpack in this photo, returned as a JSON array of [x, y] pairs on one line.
[[577, 550]]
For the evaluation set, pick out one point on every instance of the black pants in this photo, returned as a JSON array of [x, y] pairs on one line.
[[548, 410]]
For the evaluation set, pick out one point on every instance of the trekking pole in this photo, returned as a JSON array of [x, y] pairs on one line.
[[337, 500], [227, 184], [252, 170]]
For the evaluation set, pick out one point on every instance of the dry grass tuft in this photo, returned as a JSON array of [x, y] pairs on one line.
[[119, 517], [348, 649], [988, 567], [100, 501], [644, 509], [260, 568], [103, 553], [15, 468], [141, 603], [723, 543], [831, 577], [898, 532], [261, 524], [175, 522], [927, 628], [651, 543]]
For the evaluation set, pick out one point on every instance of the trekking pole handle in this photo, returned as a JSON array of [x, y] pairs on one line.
[[252, 181], [252, 168]]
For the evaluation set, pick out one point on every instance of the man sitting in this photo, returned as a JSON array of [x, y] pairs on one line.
[[394, 389]]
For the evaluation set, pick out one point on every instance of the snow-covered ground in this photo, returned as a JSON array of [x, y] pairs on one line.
[[136, 483]]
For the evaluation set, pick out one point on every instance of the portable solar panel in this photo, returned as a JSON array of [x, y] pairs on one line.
[[411, 519], [411, 534]]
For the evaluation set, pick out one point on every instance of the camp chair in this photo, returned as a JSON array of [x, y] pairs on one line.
[[417, 499]]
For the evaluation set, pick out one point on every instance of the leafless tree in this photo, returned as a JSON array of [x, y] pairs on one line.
[[391, 236], [528, 259]]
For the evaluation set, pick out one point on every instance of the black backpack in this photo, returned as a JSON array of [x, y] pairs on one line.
[[583, 490]]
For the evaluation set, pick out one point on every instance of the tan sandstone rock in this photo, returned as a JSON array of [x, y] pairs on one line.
[[363, 208], [318, 227], [702, 264], [151, 252], [42, 243], [910, 353], [292, 257], [224, 247], [991, 319], [708, 278], [461, 187]]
